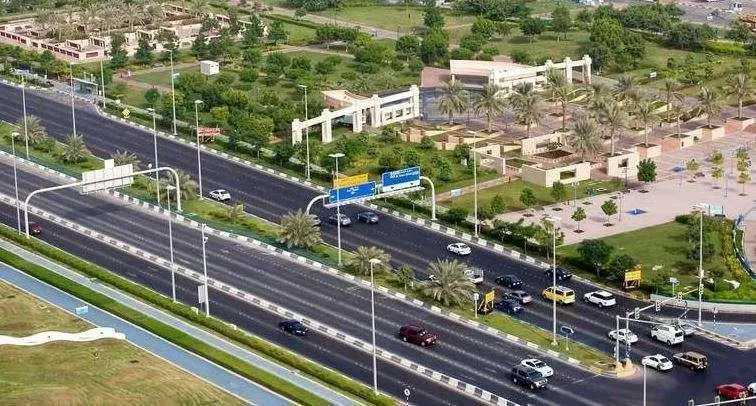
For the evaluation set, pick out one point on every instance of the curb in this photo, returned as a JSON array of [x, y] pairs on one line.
[[263, 304]]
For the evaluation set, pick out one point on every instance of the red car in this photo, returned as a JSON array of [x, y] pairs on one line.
[[417, 335], [732, 391]]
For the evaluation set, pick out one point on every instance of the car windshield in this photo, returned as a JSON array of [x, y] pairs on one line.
[[604, 295], [569, 293], [533, 374], [538, 364], [662, 359]]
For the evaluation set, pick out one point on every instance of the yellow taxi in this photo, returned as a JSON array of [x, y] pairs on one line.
[[561, 294]]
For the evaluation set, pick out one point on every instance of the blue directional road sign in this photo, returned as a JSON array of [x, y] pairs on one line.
[[400, 179], [348, 193]]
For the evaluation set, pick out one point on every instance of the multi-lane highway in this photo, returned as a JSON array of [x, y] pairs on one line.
[[270, 197]]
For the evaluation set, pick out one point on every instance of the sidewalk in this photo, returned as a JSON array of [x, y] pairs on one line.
[[664, 201], [205, 369]]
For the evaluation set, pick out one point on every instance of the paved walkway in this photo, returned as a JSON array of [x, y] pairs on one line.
[[201, 367]]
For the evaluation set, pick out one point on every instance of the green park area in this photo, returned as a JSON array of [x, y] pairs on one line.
[[98, 372], [393, 18]]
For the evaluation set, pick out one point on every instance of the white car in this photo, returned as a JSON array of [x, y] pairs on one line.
[[658, 362], [752, 388], [600, 298], [220, 195], [459, 248], [475, 275], [623, 335], [540, 366]]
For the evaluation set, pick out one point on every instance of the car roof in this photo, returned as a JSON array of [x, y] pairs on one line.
[[602, 293], [219, 190], [519, 292]]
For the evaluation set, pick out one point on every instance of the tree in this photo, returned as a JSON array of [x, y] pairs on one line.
[[544, 235], [609, 208], [498, 204], [277, 33], [490, 105], [433, 17], [644, 113], [692, 166], [647, 171], [626, 88], [152, 96], [118, 55], [578, 215], [584, 138], [558, 191], [740, 86], [144, 54], [561, 91], [454, 99], [532, 26], [743, 178], [235, 212], [456, 215], [717, 173], [716, 158], [619, 265], [189, 187], [595, 253], [360, 261], [435, 46], [449, 283], [299, 229], [74, 150], [710, 104], [405, 276], [738, 32], [483, 28], [613, 116], [393, 159], [527, 198], [284, 151], [125, 158], [672, 92], [35, 131], [561, 22], [529, 110]]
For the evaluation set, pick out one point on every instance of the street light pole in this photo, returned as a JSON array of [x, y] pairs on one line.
[[307, 133], [102, 83], [553, 221], [204, 269], [336, 157], [73, 110], [199, 161], [15, 180], [154, 141], [170, 243], [173, 94], [701, 207], [26, 126], [475, 181], [373, 261]]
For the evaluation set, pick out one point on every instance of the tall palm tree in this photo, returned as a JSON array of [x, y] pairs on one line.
[[189, 187], [625, 88], [584, 138], [490, 105], [561, 92], [598, 95], [37, 132], [740, 86], [709, 104], [529, 110], [75, 150], [454, 99], [124, 158], [614, 117], [360, 261], [449, 284], [644, 114], [671, 91], [299, 229]]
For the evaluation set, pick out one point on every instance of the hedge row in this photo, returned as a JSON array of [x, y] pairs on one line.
[[276, 384]]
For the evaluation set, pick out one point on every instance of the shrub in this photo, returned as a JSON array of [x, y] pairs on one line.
[[725, 48]]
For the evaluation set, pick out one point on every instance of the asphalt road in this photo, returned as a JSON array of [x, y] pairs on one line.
[[270, 197]]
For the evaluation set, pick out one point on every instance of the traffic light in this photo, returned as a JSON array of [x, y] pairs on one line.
[[637, 313], [657, 306]]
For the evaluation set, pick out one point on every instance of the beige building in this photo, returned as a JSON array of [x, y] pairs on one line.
[[543, 175]]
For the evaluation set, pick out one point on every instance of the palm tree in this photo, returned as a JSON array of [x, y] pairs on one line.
[[454, 99], [75, 150], [490, 105], [235, 212], [360, 261], [561, 90], [584, 138], [449, 283], [644, 114], [37, 133], [598, 94], [188, 185], [615, 118], [709, 103], [739, 86], [529, 110], [299, 229], [671, 91], [124, 158], [625, 88]]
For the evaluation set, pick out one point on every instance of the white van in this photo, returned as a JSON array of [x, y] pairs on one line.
[[667, 334]]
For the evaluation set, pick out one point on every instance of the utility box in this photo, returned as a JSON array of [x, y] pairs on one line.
[[209, 68]]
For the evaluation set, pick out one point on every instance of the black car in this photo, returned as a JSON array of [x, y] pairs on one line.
[[561, 274], [508, 306], [367, 217], [510, 281], [35, 229], [529, 377], [293, 327]]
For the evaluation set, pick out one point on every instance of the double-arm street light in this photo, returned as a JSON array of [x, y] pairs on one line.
[[26, 126], [373, 262], [700, 207], [475, 180], [204, 270], [554, 222], [173, 92], [73, 109], [154, 141], [307, 133], [15, 180], [336, 157], [168, 190], [199, 161]]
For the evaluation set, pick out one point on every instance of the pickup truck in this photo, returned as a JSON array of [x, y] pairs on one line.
[[691, 359]]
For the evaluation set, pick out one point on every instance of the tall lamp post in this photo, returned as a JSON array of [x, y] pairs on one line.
[[307, 133], [336, 157], [554, 221], [154, 142], [26, 126], [73, 109], [168, 190], [373, 262], [475, 180], [102, 83], [15, 180], [700, 207], [204, 269], [199, 161], [173, 93]]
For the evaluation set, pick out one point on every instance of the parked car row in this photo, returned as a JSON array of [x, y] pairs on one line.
[[367, 217]]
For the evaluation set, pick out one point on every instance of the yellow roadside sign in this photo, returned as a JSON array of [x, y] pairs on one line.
[[125, 113], [632, 276], [490, 296], [350, 180]]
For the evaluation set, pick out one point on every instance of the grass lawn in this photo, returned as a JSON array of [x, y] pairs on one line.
[[393, 18], [511, 194], [161, 77], [98, 372], [543, 46], [298, 35]]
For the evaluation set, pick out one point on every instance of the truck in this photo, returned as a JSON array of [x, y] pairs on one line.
[[691, 359]]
